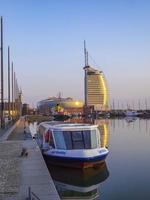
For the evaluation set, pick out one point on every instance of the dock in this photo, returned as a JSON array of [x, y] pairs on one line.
[[23, 174]]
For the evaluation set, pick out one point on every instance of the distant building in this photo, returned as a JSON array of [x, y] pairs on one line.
[[25, 109], [96, 91], [13, 109], [69, 105]]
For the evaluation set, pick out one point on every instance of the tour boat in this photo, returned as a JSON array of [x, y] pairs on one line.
[[75, 145], [131, 113]]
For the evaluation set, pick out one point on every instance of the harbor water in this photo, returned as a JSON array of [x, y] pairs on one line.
[[125, 174]]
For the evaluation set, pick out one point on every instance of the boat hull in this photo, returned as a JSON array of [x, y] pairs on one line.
[[75, 162]]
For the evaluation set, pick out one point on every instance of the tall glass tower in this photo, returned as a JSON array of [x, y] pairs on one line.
[[96, 91]]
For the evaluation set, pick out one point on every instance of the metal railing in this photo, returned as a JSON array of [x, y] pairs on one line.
[[32, 195]]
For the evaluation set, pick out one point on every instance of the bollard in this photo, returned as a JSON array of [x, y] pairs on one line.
[[29, 194]]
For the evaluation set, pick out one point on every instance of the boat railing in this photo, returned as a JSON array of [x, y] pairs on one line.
[[32, 195]]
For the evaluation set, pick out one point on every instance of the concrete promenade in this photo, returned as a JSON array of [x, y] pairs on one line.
[[18, 173]]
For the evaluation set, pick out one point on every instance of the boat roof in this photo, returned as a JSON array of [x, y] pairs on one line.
[[67, 125]]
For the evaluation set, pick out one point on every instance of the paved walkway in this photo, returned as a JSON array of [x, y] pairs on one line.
[[18, 173], [36, 175], [10, 169]]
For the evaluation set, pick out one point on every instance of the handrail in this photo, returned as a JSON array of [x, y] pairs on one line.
[[32, 195]]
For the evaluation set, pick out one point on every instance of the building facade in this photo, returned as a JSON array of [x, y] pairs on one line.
[[69, 105], [96, 91]]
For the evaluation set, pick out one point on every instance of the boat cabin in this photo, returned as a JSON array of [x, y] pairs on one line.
[[67, 136]]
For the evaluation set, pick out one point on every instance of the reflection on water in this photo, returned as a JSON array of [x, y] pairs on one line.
[[131, 119], [103, 126], [78, 184], [128, 160]]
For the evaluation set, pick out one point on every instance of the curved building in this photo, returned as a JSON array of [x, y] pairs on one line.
[[69, 105], [96, 91]]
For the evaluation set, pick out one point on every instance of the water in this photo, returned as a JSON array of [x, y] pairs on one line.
[[126, 173], [128, 161]]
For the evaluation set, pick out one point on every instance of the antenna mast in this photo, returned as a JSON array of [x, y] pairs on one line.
[[85, 53], [87, 58]]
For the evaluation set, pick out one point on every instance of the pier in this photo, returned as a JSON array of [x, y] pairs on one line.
[[23, 172]]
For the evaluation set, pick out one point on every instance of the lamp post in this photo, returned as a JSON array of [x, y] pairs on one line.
[[2, 81], [8, 82], [12, 79]]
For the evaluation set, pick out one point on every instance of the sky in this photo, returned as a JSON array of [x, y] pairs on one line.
[[46, 42]]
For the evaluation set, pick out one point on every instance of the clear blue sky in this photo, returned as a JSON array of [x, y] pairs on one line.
[[46, 40]]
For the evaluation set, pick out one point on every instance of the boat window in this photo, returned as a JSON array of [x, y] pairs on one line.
[[68, 140], [87, 139], [77, 140], [51, 140], [77, 136], [93, 139], [80, 139], [59, 139], [46, 137]]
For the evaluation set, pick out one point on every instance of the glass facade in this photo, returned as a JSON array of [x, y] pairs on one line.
[[96, 91]]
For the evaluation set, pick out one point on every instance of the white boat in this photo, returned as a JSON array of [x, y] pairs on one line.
[[75, 145], [131, 113]]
